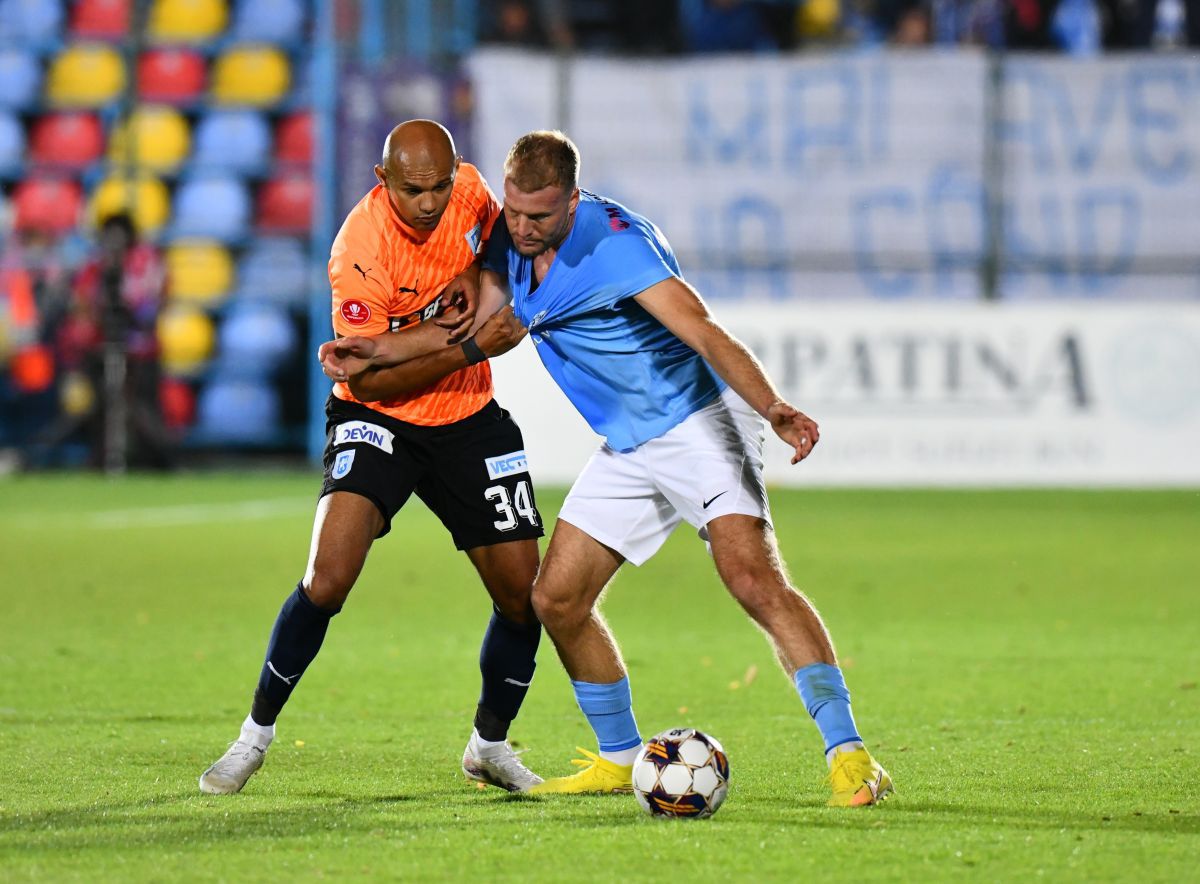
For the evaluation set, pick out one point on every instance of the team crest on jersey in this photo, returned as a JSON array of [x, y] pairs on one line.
[[506, 465], [361, 431], [342, 463], [355, 312], [474, 237]]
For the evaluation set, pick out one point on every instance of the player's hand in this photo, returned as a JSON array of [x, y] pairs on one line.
[[795, 428], [346, 357], [500, 333], [459, 301]]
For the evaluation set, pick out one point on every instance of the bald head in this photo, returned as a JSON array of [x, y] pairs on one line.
[[418, 170]]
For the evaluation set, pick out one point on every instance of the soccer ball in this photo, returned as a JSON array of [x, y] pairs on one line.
[[681, 772]]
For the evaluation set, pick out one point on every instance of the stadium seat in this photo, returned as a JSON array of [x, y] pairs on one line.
[[177, 404], [144, 197], [154, 137], [31, 23], [257, 76], [72, 139], [285, 205], [269, 21], [256, 338], [20, 78], [50, 204], [234, 141], [100, 19], [234, 411], [86, 75], [186, 337], [177, 76], [186, 21], [294, 139], [215, 207], [199, 271], [274, 269], [12, 145]]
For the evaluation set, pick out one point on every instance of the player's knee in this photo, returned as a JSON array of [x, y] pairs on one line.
[[556, 611], [328, 587], [759, 593]]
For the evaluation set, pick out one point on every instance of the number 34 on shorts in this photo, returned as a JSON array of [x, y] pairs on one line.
[[512, 506]]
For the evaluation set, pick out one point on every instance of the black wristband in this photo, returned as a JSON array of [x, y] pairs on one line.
[[472, 351]]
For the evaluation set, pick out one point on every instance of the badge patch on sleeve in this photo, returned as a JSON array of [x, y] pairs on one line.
[[342, 463], [506, 465], [474, 237], [355, 312], [361, 431]]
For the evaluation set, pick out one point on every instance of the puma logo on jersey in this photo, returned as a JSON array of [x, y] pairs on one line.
[[360, 270]]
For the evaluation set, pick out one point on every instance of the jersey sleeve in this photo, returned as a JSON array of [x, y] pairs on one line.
[[489, 210], [633, 261], [361, 293], [495, 252]]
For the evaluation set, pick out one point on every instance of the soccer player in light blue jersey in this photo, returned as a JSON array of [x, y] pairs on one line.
[[683, 407]]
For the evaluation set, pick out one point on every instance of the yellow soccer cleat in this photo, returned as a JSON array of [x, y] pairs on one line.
[[857, 779], [598, 776]]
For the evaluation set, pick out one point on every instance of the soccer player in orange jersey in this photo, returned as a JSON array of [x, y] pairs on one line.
[[406, 261]]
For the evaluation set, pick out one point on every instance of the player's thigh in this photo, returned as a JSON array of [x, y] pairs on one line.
[[508, 571], [616, 501], [574, 572], [747, 558], [711, 465], [477, 481], [345, 526]]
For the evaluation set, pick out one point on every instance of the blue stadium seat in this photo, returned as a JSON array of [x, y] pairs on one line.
[[35, 23], [232, 141], [276, 270], [211, 206], [232, 411], [256, 339], [12, 145], [269, 21], [20, 78]]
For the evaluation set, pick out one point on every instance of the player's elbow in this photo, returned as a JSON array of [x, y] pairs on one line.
[[363, 390]]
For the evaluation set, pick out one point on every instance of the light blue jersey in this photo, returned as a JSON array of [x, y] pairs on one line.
[[630, 378]]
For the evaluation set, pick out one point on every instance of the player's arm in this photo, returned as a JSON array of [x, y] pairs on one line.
[[497, 335], [677, 306]]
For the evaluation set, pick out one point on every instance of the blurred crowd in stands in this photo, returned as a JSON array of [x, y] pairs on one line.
[[1078, 27]]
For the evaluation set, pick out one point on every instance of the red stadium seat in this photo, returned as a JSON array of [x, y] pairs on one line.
[[52, 205], [285, 205], [71, 140], [103, 19], [294, 139], [171, 75]]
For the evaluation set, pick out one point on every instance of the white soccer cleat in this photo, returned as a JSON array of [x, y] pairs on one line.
[[230, 772], [497, 766]]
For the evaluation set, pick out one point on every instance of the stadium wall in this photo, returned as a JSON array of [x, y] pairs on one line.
[[972, 270]]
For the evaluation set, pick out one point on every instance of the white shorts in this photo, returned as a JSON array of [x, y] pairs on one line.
[[708, 466]]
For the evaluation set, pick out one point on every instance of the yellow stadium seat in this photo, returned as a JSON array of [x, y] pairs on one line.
[[85, 75], [199, 271], [251, 75], [186, 337], [143, 196], [160, 139], [187, 21]]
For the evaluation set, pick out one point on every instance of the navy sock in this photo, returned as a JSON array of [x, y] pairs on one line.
[[299, 630], [506, 661]]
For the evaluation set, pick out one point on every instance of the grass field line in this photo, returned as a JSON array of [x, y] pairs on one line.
[[185, 513]]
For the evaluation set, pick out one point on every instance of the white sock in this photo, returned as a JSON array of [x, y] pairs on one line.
[[624, 757], [486, 747], [257, 734], [842, 747]]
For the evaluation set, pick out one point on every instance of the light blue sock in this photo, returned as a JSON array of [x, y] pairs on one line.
[[609, 710], [825, 696]]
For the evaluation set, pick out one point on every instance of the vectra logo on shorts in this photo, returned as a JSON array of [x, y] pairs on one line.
[[355, 312], [361, 431], [506, 465]]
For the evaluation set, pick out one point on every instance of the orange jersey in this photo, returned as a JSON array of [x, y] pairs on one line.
[[387, 276]]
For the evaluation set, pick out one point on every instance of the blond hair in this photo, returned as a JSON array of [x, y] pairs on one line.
[[543, 158]]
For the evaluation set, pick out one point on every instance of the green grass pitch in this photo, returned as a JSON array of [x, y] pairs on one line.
[[1024, 663]]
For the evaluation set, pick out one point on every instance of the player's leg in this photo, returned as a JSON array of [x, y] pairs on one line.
[[506, 662], [343, 530], [478, 485], [747, 558], [574, 573]]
